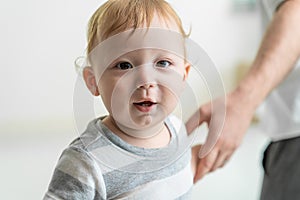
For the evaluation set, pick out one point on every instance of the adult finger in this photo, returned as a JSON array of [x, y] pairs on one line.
[[197, 119], [221, 160], [205, 165]]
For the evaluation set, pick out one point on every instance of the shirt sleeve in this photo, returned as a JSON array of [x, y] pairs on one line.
[[77, 176], [271, 6]]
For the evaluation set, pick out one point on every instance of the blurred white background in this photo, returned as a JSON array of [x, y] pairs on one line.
[[40, 41]]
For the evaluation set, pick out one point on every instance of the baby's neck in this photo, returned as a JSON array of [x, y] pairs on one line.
[[158, 140]]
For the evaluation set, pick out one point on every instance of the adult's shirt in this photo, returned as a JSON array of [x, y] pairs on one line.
[[280, 118]]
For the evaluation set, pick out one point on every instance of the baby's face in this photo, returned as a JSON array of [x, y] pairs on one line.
[[141, 74], [142, 87]]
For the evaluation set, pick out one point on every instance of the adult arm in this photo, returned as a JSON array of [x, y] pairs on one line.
[[278, 53]]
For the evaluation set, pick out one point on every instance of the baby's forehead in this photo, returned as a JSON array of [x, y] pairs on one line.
[[149, 53], [157, 39]]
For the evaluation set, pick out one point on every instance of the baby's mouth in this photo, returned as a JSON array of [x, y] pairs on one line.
[[145, 103], [145, 106]]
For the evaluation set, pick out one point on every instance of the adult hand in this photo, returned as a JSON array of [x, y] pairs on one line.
[[225, 133], [195, 158]]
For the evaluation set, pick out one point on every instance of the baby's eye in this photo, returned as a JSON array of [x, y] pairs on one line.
[[124, 65], [163, 63]]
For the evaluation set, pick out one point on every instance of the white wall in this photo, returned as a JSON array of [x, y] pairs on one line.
[[39, 43], [41, 39]]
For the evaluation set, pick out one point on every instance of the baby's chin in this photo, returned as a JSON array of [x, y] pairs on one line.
[[144, 128], [145, 121]]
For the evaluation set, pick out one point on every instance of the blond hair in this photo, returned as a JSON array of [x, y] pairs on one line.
[[115, 16]]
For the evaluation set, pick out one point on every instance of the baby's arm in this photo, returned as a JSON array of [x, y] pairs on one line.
[[76, 176]]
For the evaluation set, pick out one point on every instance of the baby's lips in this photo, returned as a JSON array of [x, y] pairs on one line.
[[145, 103]]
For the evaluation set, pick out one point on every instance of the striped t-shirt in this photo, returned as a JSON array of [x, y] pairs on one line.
[[100, 165]]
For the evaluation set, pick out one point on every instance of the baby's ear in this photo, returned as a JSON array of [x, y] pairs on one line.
[[187, 68], [90, 80]]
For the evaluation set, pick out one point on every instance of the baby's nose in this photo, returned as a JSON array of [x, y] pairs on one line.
[[145, 77], [147, 85]]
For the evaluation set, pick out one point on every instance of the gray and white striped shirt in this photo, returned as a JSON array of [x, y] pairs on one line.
[[100, 165]]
